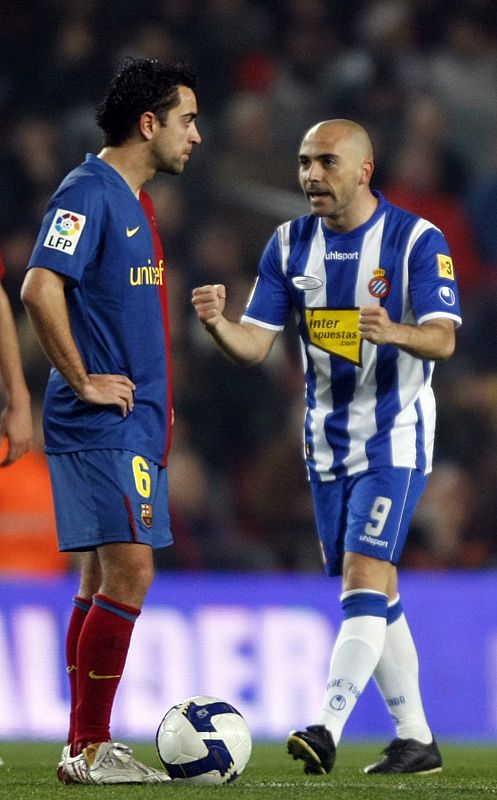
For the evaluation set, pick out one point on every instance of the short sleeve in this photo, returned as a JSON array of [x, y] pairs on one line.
[[269, 304], [70, 232], [432, 279]]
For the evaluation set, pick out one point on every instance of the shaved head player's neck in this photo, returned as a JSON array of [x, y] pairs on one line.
[[336, 165]]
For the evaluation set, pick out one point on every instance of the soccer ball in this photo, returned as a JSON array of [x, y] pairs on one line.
[[204, 740]]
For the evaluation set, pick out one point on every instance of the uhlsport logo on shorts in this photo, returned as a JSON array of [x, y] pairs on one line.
[[65, 230]]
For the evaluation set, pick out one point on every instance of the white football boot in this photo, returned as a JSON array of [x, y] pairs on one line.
[[62, 775], [109, 762]]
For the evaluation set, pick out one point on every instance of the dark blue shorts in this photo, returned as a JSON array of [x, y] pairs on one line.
[[368, 513], [105, 496]]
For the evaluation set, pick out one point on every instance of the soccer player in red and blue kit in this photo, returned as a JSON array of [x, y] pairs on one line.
[[15, 413], [374, 290], [15, 416], [95, 292]]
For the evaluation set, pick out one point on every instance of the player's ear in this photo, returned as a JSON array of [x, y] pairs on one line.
[[146, 124], [367, 170]]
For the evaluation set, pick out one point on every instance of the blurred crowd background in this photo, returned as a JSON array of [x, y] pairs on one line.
[[421, 75]]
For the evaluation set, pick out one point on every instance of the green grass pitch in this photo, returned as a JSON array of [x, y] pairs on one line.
[[469, 772]]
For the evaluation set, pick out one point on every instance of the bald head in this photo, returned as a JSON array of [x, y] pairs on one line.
[[336, 165], [345, 131]]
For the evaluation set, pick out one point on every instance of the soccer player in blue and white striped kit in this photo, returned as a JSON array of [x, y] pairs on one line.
[[374, 291]]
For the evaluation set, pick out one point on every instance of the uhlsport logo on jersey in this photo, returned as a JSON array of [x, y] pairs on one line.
[[447, 295], [379, 286], [336, 255], [65, 231]]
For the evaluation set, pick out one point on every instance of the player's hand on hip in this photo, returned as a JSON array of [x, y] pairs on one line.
[[375, 325], [209, 302], [109, 390]]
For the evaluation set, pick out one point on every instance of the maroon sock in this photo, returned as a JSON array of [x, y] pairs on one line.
[[102, 649], [78, 616]]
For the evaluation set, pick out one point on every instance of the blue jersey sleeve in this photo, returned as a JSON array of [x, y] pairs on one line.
[[70, 232], [270, 302], [432, 281]]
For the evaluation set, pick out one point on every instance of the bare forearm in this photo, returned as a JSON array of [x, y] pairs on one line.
[[15, 420], [245, 344], [54, 334], [432, 340], [427, 341], [239, 342], [11, 370], [44, 297]]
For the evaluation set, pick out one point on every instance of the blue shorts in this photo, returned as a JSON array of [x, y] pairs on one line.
[[105, 496], [368, 513]]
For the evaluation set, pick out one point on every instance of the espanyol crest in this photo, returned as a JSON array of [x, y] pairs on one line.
[[379, 286]]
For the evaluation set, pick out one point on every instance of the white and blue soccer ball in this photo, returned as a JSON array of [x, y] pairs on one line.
[[204, 740]]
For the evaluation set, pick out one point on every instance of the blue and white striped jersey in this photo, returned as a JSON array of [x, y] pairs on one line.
[[367, 406]]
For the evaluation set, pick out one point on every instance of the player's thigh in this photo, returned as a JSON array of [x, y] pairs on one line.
[[381, 504], [330, 512], [105, 496]]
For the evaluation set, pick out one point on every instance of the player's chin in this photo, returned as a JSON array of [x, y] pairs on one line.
[[182, 162], [173, 168], [320, 205], [320, 211]]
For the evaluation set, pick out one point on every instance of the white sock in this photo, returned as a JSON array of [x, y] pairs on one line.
[[397, 677], [357, 649]]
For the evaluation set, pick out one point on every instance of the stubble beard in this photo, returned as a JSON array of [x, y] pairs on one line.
[[175, 167]]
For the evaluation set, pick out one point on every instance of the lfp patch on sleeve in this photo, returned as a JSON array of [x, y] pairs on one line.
[[445, 267], [65, 230]]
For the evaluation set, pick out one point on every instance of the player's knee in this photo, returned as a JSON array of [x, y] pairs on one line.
[[363, 572], [129, 581]]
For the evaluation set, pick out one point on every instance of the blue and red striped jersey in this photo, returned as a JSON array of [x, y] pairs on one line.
[[104, 241]]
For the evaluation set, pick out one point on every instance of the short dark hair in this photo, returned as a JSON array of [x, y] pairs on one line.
[[140, 85]]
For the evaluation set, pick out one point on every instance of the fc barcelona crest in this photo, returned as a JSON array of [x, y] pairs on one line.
[[146, 514], [379, 286]]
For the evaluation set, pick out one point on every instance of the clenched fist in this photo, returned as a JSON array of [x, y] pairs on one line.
[[209, 302]]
